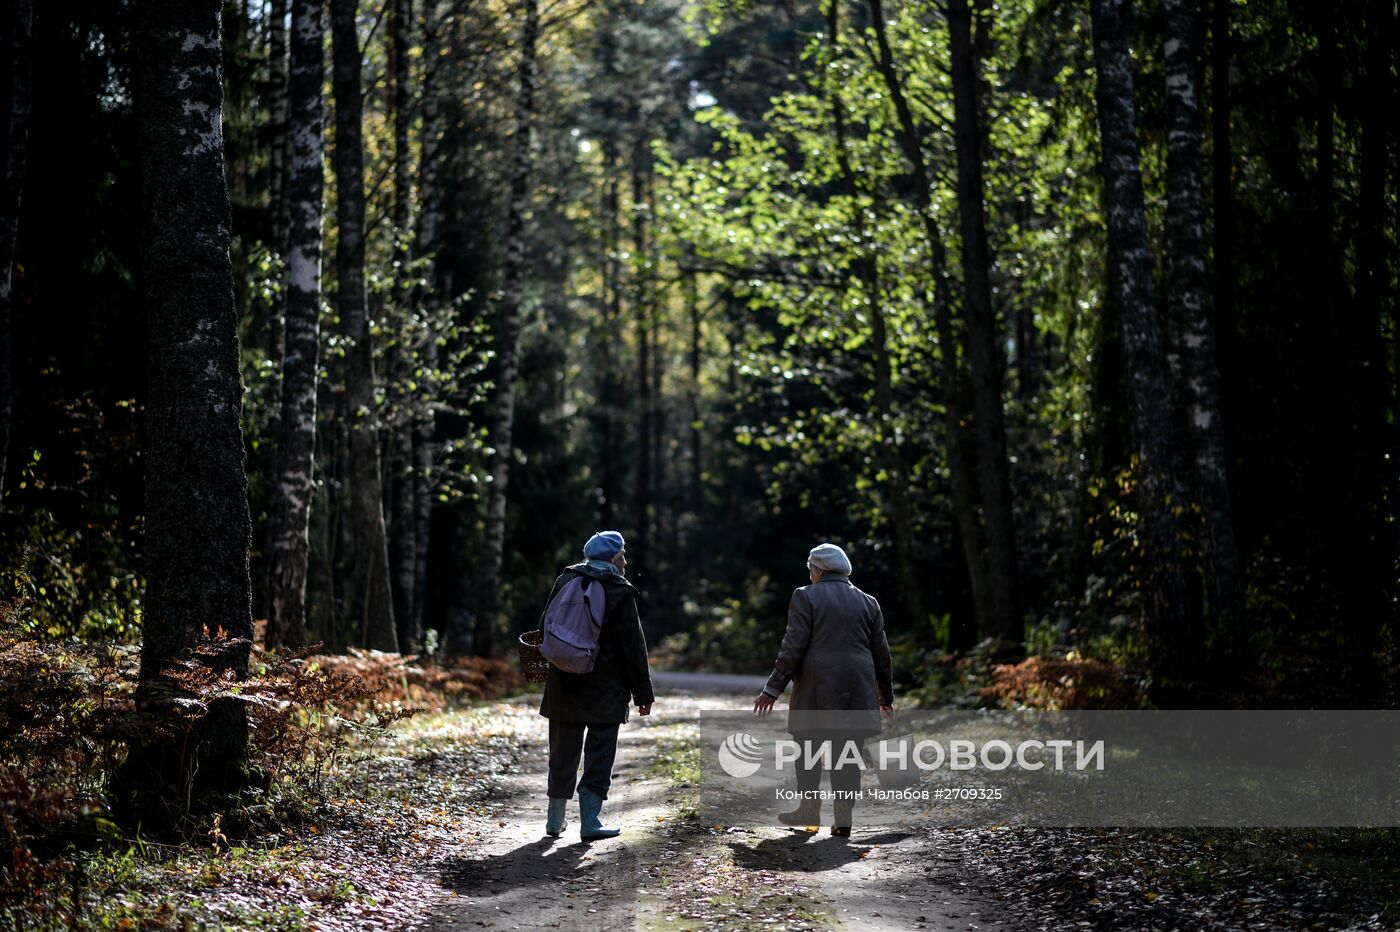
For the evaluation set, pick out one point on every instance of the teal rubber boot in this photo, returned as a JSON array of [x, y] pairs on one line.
[[554, 825], [590, 804]]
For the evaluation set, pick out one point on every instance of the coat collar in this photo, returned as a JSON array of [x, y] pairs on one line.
[[840, 579], [583, 569]]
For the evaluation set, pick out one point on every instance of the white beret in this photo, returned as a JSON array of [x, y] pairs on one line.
[[829, 558]]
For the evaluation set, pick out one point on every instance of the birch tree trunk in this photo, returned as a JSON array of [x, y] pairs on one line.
[[1188, 306], [197, 524], [961, 453], [984, 359], [290, 510], [18, 30], [369, 595], [1172, 631], [508, 347], [278, 154]]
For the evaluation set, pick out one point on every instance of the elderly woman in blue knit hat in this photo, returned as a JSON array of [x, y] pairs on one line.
[[586, 709], [835, 654]]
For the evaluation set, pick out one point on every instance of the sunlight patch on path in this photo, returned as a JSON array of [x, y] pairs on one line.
[[668, 871], [510, 875]]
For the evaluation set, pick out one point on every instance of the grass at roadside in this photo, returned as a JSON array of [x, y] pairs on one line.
[[698, 882], [702, 886], [679, 760]]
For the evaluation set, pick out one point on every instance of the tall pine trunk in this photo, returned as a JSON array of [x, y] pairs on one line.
[[656, 415], [1188, 307], [196, 523], [892, 456], [1324, 178], [425, 244], [1373, 290], [960, 451], [984, 359], [610, 298], [640, 555], [18, 30], [372, 610], [489, 622], [290, 509], [612, 313], [1395, 255], [1173, 637], [1375, 567], [1222, 175], [695, 497], [403, 535]]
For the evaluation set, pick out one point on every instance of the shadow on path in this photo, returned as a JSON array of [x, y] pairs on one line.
[[545, 883], [545, 860], [808, 852]]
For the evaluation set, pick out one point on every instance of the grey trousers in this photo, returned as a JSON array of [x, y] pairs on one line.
[[845, 778], [567, 741]]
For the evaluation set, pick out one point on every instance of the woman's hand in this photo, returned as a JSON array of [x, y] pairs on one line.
[[763, 704], [887, 711]]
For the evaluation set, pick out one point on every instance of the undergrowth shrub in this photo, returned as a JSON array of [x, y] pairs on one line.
[[1069, 683], [69, 721]]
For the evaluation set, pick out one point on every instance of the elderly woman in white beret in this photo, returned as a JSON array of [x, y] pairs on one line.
[[835, 654]]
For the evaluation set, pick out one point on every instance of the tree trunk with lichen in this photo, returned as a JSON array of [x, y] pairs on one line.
[[198, 600]]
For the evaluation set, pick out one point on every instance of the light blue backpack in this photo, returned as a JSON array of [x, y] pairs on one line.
[[572, 623]]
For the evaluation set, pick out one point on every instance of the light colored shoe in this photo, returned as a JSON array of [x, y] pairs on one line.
[[808, 813], [554, 824], [590, 806]]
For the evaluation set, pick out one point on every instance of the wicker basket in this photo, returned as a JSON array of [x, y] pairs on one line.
[[532, 662]]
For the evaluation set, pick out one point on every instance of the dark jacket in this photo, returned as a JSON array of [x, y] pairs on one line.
[[620, 670], [835, 652]]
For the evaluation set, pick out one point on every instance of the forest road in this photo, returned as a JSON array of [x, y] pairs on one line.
[[668, 871]]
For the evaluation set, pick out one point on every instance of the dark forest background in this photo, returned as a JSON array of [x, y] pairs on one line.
[[736, 278]]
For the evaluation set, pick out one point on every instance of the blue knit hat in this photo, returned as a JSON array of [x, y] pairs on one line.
[[603, 546]]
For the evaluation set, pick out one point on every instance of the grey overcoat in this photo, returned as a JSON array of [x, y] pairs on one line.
[[835, 654]]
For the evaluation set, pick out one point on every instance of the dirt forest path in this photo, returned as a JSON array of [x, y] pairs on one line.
[[670, 871]]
